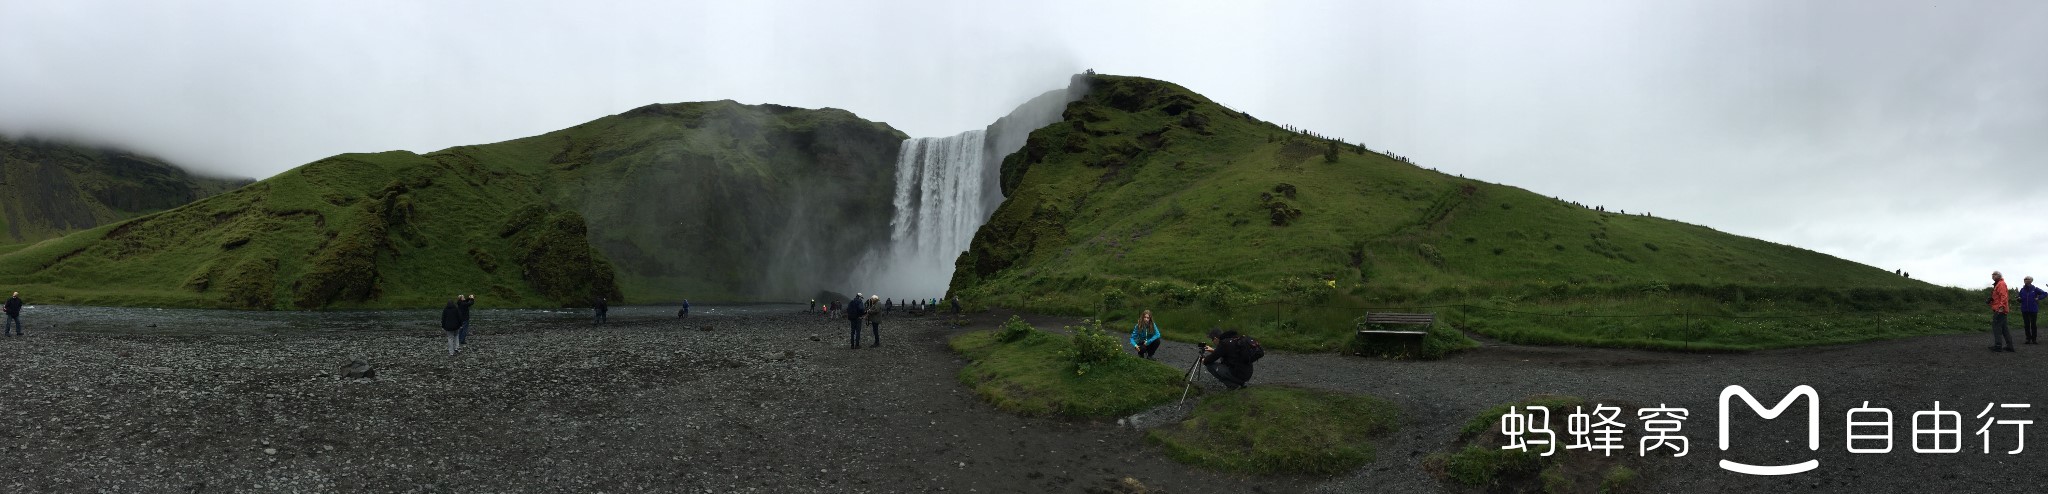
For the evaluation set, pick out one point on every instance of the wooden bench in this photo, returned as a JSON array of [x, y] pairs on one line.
[[1397, 318], [1393, 343]]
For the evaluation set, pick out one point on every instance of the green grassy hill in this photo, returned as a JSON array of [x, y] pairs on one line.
[[1149, 195], [52, 188], [711, 201]]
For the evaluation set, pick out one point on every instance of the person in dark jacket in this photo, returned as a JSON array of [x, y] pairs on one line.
[[13, 315], [2030, 309], [854, 312], [600, 308], [956, 305], [451, 323], [1225, 359], [464, 301], [686, 309], [1145, 336]]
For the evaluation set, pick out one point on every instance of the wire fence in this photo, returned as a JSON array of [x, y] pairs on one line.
[[1687, 314]]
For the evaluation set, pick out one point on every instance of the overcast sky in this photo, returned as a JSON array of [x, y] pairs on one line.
[[1900, 134]]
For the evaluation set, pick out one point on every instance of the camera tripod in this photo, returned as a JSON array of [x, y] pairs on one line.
[[1201, 351]]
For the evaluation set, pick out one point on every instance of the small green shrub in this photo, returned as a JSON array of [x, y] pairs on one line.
[[1014, 330], [1429, 253], [1091, 347], [1113, 300], [1621, 478]]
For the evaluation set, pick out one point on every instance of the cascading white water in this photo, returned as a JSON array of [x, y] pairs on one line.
[[946, 188], [938, 204]]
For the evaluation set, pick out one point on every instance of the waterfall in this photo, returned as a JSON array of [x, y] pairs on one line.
[[946, 188], [938, 203]]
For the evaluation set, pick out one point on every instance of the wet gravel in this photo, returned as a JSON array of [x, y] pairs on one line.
[[541, 401]]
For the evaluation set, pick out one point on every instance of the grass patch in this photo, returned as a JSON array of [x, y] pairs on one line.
[[1476, 459], [1271, 430], [1034, 374]]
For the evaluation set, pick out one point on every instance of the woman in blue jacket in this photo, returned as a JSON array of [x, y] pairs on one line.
[[1145, 336]]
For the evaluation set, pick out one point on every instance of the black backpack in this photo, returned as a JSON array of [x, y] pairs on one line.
[[1250, 349]]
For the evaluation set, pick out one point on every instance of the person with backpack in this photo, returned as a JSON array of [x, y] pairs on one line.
[[686, 310], [854, 312], [451, 323], [1229, 357], [1145, 336], [13, 316], [464, 301]]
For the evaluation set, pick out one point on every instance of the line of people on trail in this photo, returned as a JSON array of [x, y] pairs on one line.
[[2001, 304]]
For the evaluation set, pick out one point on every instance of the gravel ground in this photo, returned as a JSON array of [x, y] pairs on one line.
[[537, 402], [543, 402]]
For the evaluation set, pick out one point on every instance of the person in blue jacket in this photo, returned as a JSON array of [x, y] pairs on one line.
[[2030, 308], [1145, 336]]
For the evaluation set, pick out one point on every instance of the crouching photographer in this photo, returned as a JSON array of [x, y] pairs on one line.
[[1229, 357]]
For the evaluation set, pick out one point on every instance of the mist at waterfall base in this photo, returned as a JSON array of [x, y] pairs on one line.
[[946, 188]]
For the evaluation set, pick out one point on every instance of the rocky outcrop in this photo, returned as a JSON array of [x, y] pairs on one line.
[[57, 187]]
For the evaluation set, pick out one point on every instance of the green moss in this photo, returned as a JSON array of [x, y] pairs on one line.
[[1034, 376], [1280, 430]]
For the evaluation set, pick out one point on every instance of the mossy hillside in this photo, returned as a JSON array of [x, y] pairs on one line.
[[515, 221], [55, 187], [1187, 206]]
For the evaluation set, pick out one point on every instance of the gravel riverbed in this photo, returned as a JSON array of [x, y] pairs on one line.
[[747, 401]]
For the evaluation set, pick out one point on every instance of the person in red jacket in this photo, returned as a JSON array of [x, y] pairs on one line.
[[2001, 338]]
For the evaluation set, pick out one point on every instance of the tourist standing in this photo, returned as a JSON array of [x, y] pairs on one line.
[[1145, 336], [2030, 309], [874, 320], [13, 316], [464, 301], [451, 323], [600, 309], [854, 311], [2001, 338]]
